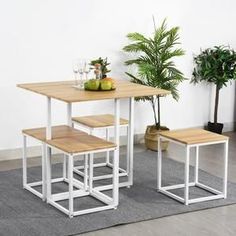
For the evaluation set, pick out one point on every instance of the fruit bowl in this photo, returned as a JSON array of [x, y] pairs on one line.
[[99, 90]]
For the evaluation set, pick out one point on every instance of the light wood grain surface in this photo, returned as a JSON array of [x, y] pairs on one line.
[[97, 121], [60, 131], [69, 140], [193, 136], [78, 144], [64, 91]]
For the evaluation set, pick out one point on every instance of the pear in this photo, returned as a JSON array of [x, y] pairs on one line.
[[93, 84], [105, 85]]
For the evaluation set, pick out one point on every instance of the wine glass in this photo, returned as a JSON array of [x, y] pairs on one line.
[[87, 69], [75, 66], [81, 64]]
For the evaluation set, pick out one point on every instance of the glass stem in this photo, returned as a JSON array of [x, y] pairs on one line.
[[81, 80], [76, 81]]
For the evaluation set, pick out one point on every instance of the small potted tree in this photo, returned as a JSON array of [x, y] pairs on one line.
[[153, 57], [215, 65]]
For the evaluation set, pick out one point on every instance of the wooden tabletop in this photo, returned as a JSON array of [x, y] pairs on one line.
[[64, 91], [193, 136]]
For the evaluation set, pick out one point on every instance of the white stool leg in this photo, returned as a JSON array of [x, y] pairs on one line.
[[64, 166], [107, 153], [70, 178], [44, 176], [90, 172], [131, 140], [159, 163], [196, 165], [49, 172], [226, 146], [24, 161], [85, 172], [116, 153], [186, 178], [128, 154]]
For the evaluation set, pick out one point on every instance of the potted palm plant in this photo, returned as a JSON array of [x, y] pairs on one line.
[[215, 65], [153, 57]]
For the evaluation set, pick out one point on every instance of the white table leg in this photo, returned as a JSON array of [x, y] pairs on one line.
[[49, 120], [47, 166], [131, 140], [225, 168], [107, 153], [127, 151], [69, 114], [24, 161], [69, 123], [116, 153], [115, 180]]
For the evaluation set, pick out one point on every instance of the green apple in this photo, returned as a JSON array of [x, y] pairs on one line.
[[106, 85], [93, 84]]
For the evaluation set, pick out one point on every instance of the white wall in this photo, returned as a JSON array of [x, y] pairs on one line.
[[39, 39]]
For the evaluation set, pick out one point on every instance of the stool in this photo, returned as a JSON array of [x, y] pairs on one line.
[[192, 138], [95, 122], [86, 145], [39, 134]]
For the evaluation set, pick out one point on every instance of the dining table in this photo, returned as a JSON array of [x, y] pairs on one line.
[[66, 92]]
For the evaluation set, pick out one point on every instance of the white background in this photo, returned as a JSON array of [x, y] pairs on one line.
[[39, 39]]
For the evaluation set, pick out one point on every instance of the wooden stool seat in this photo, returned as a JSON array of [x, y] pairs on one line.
[[193, 136], [60, 131], [80, 144], [69, 140], [98, 121]]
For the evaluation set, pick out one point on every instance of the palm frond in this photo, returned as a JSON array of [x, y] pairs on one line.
[[153, 58]]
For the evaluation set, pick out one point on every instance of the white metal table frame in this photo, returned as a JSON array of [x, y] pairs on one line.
[[116, 137], [122, 172], [165, 189]]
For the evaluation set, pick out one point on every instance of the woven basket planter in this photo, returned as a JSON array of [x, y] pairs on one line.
[[150, 138]]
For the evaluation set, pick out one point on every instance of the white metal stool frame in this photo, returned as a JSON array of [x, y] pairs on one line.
[[86, 189], [29, 186], [107, 163], [187, 184]]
